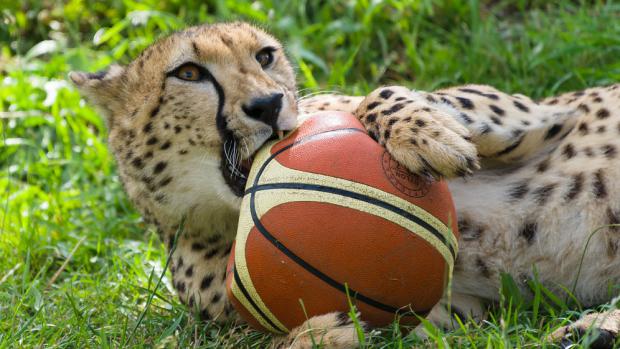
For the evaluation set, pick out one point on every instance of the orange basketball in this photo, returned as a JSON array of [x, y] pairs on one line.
[[327, 212]]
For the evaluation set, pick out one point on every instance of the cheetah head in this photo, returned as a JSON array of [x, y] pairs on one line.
[[187, 115]]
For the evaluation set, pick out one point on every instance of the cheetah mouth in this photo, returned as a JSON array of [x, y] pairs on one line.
[[236, 169]]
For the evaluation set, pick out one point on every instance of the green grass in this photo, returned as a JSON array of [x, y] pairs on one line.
[[79, 266]]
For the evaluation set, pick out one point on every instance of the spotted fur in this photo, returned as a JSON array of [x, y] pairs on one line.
[[531, 179]]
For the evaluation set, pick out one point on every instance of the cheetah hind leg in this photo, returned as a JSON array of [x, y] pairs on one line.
[[421, 137], [603, 329], [332, 330]]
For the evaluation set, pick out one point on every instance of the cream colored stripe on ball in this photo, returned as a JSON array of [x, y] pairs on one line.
[[277, 173], [243, 231]]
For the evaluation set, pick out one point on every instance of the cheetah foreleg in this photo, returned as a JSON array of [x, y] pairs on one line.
[[423, 138]]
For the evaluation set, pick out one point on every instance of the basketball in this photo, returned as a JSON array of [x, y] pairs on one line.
[[329, 219]]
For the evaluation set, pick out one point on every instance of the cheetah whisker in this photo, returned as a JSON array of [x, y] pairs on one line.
[[229, 159], [315, 93]]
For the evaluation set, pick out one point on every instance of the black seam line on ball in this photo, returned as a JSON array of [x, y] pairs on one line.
[[335, 284], [343, 192], [361, 197], [247, 296], [314, 271]]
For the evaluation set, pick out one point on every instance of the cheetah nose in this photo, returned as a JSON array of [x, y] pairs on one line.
[[265, 109]]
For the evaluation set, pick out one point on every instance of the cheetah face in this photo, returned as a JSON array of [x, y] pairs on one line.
[[189, 113]]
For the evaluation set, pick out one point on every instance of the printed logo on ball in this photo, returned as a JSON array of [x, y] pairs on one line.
[[405, 181]]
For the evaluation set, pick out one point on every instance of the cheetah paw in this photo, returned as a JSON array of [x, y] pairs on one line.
[[602, 328], [426, 140], [332, 330]]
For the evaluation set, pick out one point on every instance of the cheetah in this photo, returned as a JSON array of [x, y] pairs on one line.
[[531, 180]]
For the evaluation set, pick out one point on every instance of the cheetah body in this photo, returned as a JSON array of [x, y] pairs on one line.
[[531, 180]]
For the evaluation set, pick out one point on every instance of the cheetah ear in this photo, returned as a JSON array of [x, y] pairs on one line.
[[104, 89]]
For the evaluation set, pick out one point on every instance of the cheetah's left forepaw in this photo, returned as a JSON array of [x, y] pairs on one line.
[[419, 136]]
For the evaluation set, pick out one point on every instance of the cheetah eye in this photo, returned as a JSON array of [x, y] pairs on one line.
[[189, 72], [264, 57]]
